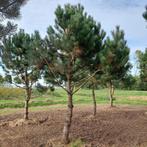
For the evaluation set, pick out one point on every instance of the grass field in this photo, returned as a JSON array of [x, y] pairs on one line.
[[81, 97]]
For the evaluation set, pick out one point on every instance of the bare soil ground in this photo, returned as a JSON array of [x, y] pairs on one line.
[[123, 126]]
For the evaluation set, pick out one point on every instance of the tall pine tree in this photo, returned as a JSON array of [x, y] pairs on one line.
[[76, 38], [114, 59], [142, 59]]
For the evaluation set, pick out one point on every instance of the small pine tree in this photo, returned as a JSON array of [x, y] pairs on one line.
[[17, 62], [142, 60], [114, 59]]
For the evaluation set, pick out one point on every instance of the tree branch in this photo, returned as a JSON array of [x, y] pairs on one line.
[[10, 4], [18, 86], [86, 81], [75, 83]]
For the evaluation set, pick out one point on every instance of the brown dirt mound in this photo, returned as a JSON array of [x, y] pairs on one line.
[[21, 122], [116, 127]]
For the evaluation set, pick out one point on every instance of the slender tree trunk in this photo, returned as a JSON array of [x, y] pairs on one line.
[[28, 96], [111, 91], [111, 100], [26, 117], [69, 113], [68, 120], [94, 100]]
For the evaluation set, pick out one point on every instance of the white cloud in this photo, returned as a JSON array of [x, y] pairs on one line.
[[38, 15]]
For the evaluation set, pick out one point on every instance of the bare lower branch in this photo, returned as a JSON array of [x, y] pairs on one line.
[[18, 86], [76, 83], [89, 77]]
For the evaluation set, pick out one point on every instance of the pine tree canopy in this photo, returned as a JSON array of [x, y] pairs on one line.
[[17, 53], [115, 56], [76, 37], [9, 9], [142, 60], [145, 13]]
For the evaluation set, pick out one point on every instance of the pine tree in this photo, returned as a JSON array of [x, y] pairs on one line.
[[94, 64], [17, 62], [145, 14], [114, 59], [142, 60], [9, 9], [75, 39]]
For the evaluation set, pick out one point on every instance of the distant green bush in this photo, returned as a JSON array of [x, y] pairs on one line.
[[41, 88]]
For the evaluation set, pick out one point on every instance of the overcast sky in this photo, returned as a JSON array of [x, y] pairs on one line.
[[38, 15]]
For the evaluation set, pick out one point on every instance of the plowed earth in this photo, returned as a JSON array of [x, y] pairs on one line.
[[123, 126]]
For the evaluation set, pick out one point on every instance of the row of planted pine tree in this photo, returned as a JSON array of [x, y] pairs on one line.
[[74, 51]]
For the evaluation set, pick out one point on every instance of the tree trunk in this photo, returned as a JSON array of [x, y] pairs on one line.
[[68, 120], [26, 117], [111, 91], [28, 96], [69, 113], [94, 100], [111, 100]]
